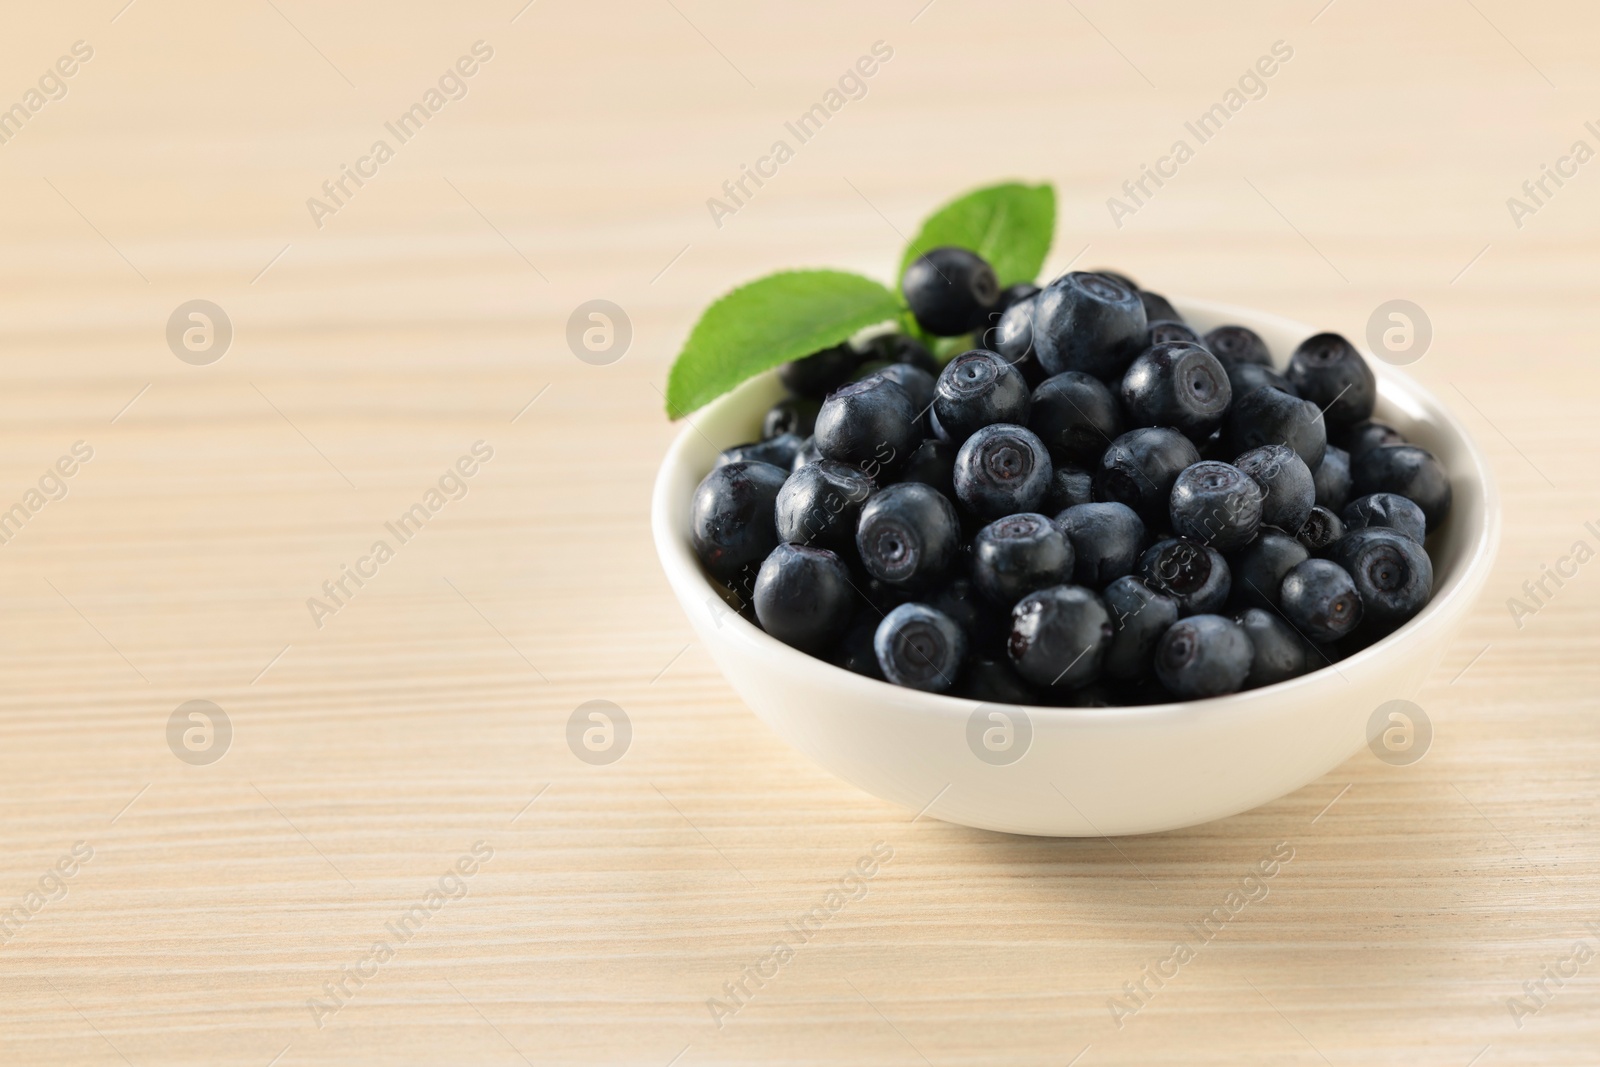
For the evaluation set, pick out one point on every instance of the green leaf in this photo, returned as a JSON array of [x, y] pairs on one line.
[[1011, 225], [769, 321]]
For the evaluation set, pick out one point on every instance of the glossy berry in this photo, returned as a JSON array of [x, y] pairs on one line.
[[1216, 504], [820, 373], [792, 414], [932, 462], [1332, 479], [1076, 416], [1280, 653], [1001, 470], [1012, 337], [918, 383], [1106, 541], [1059, 636], [1388, 510], [1319, 598], [908, 535], [1177, 384], [1139, 468], [731, 517], [1195, 576], [1248, 377], [1016, 293], [993, 680], [978, 389], [1258, 569], [1321, 529], [1158, 308], [778, 451], [920, 647], [1163, 331], [1392, 573], [1287, 489], [1238, 344], [1204, 656], [803, 596], [1409, 471], [870, 425], [820, 505], [1013, 556], [1090, 323], [1328, 371], [1069, 486], [1139, 616], [1368, 434], [1272, 417], [950, 291], [808, 454]]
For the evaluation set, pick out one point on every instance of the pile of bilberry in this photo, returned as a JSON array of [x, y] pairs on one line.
[[1096, 506]]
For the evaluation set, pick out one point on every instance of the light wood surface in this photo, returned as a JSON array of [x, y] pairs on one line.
[[428, 713]]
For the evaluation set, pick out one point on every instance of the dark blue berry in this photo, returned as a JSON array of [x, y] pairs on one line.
[[1411, 472], [1280, 653], [1076, 416], [820, 373], [978, 389], [820, 505], [985, 624], [908, 535], [950, 291], [1195, 576], [1386, 509], [778, 451], [1139, 616], [1321, 529], [918, 383], [1272, 417], [1001, 470], [1216, 504], [1059, 636], [792, 414], [1204, 656], [1248, 377], [1288, 490], [808, 454], [1332, 479], [1016, 293], [901, 348], [1012, 337], [1392, 573], [855, 652], [1158, 308], [731, 519], [993, 680], [870, 425], [1328, 371], [1139, 468], [803, 596], [1089, 323], [1106, 541], [1069, 487], [1164, 331], [1013, 556], [933, 463], [1234, 345], [920, 647], [1319, 598], [1368, 434], [1177, 384], [1259, 567]]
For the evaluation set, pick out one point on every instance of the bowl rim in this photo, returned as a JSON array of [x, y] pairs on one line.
[[679, 562]]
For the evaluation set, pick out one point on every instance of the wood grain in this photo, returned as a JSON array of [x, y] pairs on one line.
[[430, 711]]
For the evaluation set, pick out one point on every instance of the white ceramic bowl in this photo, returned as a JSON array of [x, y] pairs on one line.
[[1085, 771]]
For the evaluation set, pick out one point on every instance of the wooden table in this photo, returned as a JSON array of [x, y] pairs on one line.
[[214, 908]]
